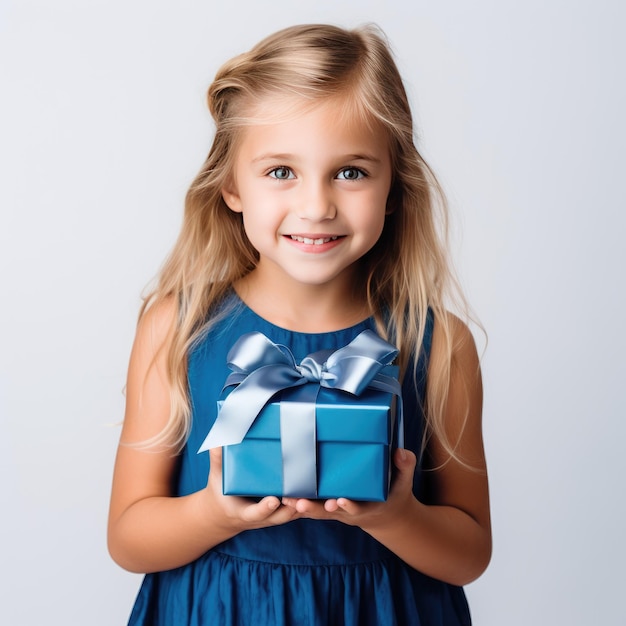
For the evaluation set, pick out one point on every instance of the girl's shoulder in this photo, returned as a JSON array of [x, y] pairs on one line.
[[156, 322], [452, 336], [160, 313]]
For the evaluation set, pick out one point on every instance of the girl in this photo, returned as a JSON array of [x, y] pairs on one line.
[[312, 219]]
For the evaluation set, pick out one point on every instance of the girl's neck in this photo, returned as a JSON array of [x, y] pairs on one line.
[[304, 308]]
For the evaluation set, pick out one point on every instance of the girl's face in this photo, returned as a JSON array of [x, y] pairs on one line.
[[313, 192]]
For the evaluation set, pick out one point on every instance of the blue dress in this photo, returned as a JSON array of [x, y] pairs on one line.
[[305, 572]]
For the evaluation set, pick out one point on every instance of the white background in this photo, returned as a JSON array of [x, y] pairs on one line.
[[102, 127]]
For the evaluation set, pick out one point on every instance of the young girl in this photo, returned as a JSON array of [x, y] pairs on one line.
[[313, 219]]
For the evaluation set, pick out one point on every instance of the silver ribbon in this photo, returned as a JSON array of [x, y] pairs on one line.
[[262, 368]]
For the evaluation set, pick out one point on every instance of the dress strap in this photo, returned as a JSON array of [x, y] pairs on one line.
[[428, 334], [423, 358]]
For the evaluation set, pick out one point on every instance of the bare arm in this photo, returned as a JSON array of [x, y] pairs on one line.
[[449, 537], [149, 529]]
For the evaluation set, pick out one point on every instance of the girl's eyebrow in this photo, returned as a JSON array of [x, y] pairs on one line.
[[274, 157], [363, 157], [292, 157]]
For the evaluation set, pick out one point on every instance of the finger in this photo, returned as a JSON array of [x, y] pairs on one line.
[[305, 506], [278, 515], [405, 462], [261, 510], [331, 505], [215, 469], [215, 458], [302, 505], [311, 508], [349, 506]]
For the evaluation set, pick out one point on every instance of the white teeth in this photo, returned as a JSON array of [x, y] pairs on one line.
[[315, 242]]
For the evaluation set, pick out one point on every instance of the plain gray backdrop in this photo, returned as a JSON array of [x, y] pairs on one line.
[[519, 108]]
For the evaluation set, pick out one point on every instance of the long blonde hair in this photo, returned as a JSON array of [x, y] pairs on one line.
[[313, 63]]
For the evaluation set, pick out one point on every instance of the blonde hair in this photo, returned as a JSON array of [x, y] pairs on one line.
[[310, 64]]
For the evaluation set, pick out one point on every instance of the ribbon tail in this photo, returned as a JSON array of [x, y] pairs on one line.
[[226, 432], [242, 406]]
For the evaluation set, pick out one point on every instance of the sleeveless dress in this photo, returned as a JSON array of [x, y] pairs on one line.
[[305, 572]]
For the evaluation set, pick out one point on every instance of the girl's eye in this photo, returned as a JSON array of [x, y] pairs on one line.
[[281, 173], [351, 173]]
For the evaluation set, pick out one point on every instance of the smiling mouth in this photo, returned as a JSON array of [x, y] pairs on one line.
[[315, 242]]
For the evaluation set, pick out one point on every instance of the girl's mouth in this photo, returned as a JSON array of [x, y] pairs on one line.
[[315, 242]]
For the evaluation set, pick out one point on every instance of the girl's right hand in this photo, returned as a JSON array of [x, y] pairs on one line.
[[236, 514]]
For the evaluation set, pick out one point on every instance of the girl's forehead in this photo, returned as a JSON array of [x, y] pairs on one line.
[[276, 109]]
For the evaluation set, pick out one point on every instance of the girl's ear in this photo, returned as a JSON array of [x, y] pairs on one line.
[[389, 208], [231, 197], [392, 200]]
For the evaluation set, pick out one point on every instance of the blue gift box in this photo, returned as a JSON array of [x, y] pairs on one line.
[[321, 429], [354, 438]]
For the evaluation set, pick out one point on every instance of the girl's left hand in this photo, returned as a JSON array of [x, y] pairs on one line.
[[365, 514]]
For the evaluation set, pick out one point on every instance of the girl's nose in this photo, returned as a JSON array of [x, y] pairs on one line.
[[317, 203]]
